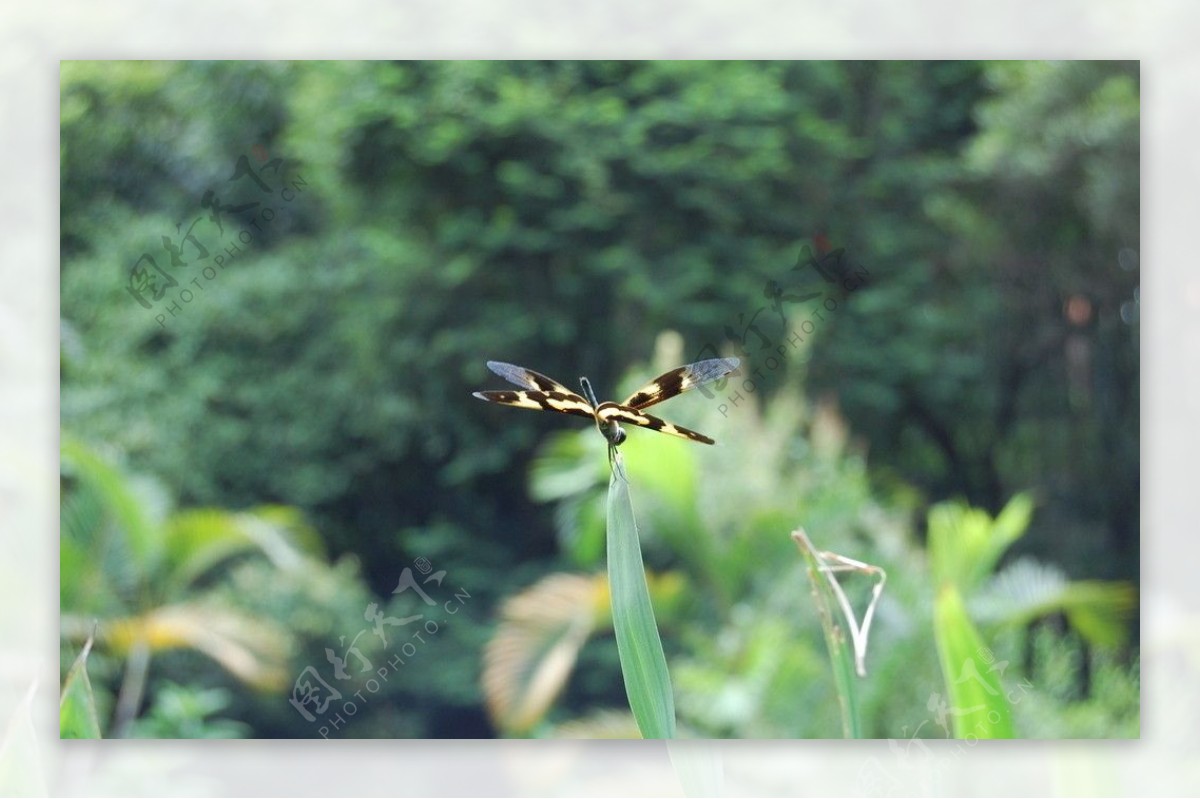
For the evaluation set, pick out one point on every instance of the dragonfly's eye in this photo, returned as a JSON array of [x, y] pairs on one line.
[[618, 436]]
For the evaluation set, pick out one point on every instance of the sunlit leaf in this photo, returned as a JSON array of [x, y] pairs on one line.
[[530, 657], [975, 702], [965, 543], [198, 540], [253, 650]]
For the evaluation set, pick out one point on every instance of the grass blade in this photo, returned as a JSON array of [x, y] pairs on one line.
[[77, 716], [643, 664], [977, 702], [838, 639]]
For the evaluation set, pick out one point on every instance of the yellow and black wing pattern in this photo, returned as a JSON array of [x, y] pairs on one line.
[[662, 388], [675, 382], [612, 412], [544, 394]]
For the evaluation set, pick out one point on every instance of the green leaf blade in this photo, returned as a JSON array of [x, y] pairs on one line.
[[77, 716], [643, 663], [977, 703]]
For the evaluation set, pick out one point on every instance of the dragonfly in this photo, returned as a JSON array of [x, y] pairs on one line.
[[540, 393]]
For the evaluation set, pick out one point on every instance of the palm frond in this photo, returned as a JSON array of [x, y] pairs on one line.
[[1027, 590], [528, 660]]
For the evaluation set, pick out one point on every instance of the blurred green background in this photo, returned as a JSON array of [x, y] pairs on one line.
[[280, 283]]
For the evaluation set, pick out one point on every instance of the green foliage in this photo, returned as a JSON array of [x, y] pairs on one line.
[[563, 215], [1049, 699], [569, 472], [183, 712], [643, 664], [745, 649], [1027, 591], [759, 672], [150, 581], [965, 544], [996, 349]]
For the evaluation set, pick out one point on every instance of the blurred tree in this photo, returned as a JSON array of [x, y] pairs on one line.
[[561, 215], [997, 348]]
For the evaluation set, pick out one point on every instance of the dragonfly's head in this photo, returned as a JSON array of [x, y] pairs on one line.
[[613, 432]]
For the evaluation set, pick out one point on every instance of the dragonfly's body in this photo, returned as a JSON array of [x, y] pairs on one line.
[[610, 429], [542, 393]]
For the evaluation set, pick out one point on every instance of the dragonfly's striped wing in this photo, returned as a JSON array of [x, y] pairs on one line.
[[541, 401], [541, 393], [612, 412], [678, 381], [546, 394], [527, 378]]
